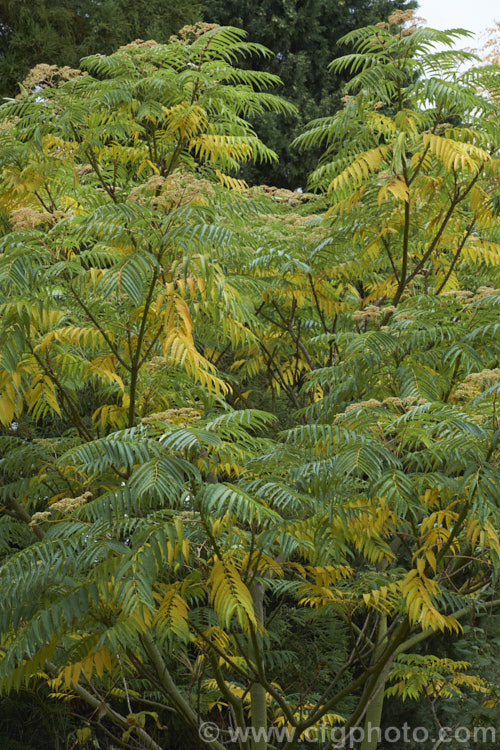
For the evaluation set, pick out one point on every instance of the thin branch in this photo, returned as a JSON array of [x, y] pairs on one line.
[[294, 336], [455, 201], [391, 259], [424, 634], [105, 709], [457, 255], [101, 330], [184, 708], [274, 365], [95, 166], [318, 307], [136, 358]]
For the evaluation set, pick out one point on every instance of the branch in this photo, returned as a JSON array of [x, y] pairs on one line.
[[386, 245], [135, 360], [233, 701], [105, 709], [297, 341], [95, 167], [73, 414], [267, 685], [369, 677], [101, 330], [183, 707], [455, 201], [316, 300], [23, 515], [273, 364], [403, 281], [457, 254]]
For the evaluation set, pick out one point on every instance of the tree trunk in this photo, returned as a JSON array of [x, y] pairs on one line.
[[258, 691], [374, 710]]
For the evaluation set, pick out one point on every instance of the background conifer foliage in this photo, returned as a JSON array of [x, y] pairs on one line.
[[304, 37], [249, 454], [60, 32]]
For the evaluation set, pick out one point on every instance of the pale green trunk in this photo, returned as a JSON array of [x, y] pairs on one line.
[[374, 712], [257, 691]]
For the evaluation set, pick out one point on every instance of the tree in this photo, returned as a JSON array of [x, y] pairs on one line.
[[61, 32], [304, 37], [411, 195], [169, 551], [416, 147], [118, 224]]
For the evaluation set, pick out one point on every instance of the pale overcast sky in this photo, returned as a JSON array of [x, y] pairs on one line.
[[474, 15]]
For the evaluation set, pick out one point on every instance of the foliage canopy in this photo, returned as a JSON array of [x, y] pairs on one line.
[[240, 429]]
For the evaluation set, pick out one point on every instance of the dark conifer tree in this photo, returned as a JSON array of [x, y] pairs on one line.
[[303, 35], [60, 32]]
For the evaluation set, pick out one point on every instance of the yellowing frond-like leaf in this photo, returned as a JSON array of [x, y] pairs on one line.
[[359, 169], [172, 614], [233, 183], [229, 595], [397, 187], [419, 591], [455, 154]]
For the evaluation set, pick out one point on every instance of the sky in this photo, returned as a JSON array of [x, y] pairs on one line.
[[474, 15]]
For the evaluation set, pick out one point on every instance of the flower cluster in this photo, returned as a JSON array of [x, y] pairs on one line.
[[184, 416], [182, 188], [65, 506], [474, 384], [69, 504], [372, 312], [369, 403], [178, 189], [37, 518], [155, 364], [407, 404], [189, 33], [282, 195], [47, 76], [140, 43], [28, 218], [140, 193], [482, 292], [462, 295], [404, 403], [401, 18], [405, 315]]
